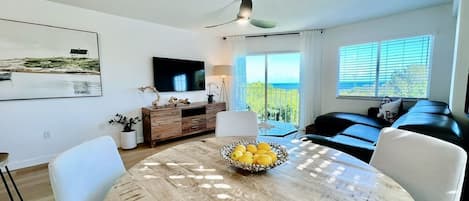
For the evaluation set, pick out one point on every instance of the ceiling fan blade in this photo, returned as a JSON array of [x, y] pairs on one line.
[[212, 26], [245, 9], [263, 23]]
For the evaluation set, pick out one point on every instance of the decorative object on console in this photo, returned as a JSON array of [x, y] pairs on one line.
[[223, 71], [211, 93], [185, 101], [152, 88], [210, 98], [128, 136], [173, 101], [48, 62]]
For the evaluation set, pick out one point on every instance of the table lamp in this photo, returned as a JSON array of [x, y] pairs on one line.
[[223, 71]]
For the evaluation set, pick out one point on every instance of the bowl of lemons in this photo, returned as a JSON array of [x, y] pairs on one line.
[[254, 156]]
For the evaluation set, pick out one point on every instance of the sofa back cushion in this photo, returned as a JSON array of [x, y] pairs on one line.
[[431, 107], [439, 126]]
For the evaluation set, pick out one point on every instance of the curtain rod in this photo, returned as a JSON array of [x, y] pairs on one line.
[[273, 34]]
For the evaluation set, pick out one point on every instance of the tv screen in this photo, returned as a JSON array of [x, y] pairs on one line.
[[178, 74]]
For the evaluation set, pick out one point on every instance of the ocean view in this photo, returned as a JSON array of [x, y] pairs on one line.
[[286, 85]]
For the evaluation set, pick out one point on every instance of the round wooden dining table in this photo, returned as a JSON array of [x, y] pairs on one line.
[[196, 171]]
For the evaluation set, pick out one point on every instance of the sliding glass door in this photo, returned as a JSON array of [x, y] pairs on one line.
[[272, 89]]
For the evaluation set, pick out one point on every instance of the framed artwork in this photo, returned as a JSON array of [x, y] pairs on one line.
[[41, 61], [466, 107]]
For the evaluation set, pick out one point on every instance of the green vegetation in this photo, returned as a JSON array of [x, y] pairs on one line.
[[411, 82], [282, 103], [85, 64]]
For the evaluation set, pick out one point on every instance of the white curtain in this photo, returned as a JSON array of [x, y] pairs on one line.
[[238, 85], [310, 76]]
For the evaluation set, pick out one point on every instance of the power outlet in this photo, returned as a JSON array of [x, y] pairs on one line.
[[46, 134]]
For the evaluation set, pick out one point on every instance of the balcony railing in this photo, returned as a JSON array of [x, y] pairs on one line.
[[282, 104]]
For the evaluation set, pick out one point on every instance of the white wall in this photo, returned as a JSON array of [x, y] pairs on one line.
[[126, 49], [461, 63], [280, 43], [437, 21]]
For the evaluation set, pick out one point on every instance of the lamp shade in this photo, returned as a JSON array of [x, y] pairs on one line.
[[222, 70]]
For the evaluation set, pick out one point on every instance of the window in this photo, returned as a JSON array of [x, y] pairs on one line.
[[396, 68]]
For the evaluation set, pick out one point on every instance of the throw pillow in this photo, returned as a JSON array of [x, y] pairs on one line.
[[390, 111]]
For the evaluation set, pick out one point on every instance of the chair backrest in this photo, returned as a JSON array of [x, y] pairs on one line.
[[86, 172], [428, 168], [236, 123]]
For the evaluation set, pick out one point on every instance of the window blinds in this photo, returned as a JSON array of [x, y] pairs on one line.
[[401, 70]]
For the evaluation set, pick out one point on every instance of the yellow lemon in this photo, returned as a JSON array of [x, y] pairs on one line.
[[236, 155], [246, 159], [261, 151], [264, 159], [251, 148], [263, 146], [241, 148], [248, 153], [273, 156]]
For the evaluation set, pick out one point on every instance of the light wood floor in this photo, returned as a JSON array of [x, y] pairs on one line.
[[34, 182]]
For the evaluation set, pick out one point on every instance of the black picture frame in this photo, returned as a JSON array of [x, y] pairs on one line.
[[466, 107]]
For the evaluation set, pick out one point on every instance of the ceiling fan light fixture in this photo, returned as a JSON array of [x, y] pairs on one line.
[[244, 14], [244, 17], [242, 21]]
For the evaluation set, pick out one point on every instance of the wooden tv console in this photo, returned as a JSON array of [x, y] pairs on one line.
[[169, 122]]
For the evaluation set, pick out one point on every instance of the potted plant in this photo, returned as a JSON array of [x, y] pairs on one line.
[[128, 136]]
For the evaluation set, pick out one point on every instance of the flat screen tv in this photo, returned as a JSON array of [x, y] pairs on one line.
[[178, 75]]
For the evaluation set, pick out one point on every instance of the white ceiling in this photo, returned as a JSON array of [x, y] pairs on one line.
[[290, 15]]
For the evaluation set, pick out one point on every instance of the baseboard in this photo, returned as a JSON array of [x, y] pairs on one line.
[[14, 165], [139, 140]]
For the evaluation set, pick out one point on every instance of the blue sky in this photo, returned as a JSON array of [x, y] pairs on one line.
[[283, 68]]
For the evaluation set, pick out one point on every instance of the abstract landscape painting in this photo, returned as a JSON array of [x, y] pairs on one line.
[[40, 61]]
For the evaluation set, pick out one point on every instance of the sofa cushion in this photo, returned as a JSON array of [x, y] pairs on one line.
[[355, 147], [362, 132], [439, 126], [351, 141], [334, 122]]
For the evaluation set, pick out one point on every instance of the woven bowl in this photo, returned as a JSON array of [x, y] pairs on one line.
[[226, 150]]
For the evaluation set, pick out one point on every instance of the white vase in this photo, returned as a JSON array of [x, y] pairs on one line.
[[128, 140]]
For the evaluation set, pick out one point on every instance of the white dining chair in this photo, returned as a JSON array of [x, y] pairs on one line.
[[236, 123], [428, 168], [86, 172]]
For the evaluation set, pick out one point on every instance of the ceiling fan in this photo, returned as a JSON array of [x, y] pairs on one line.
[[244, 15]]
